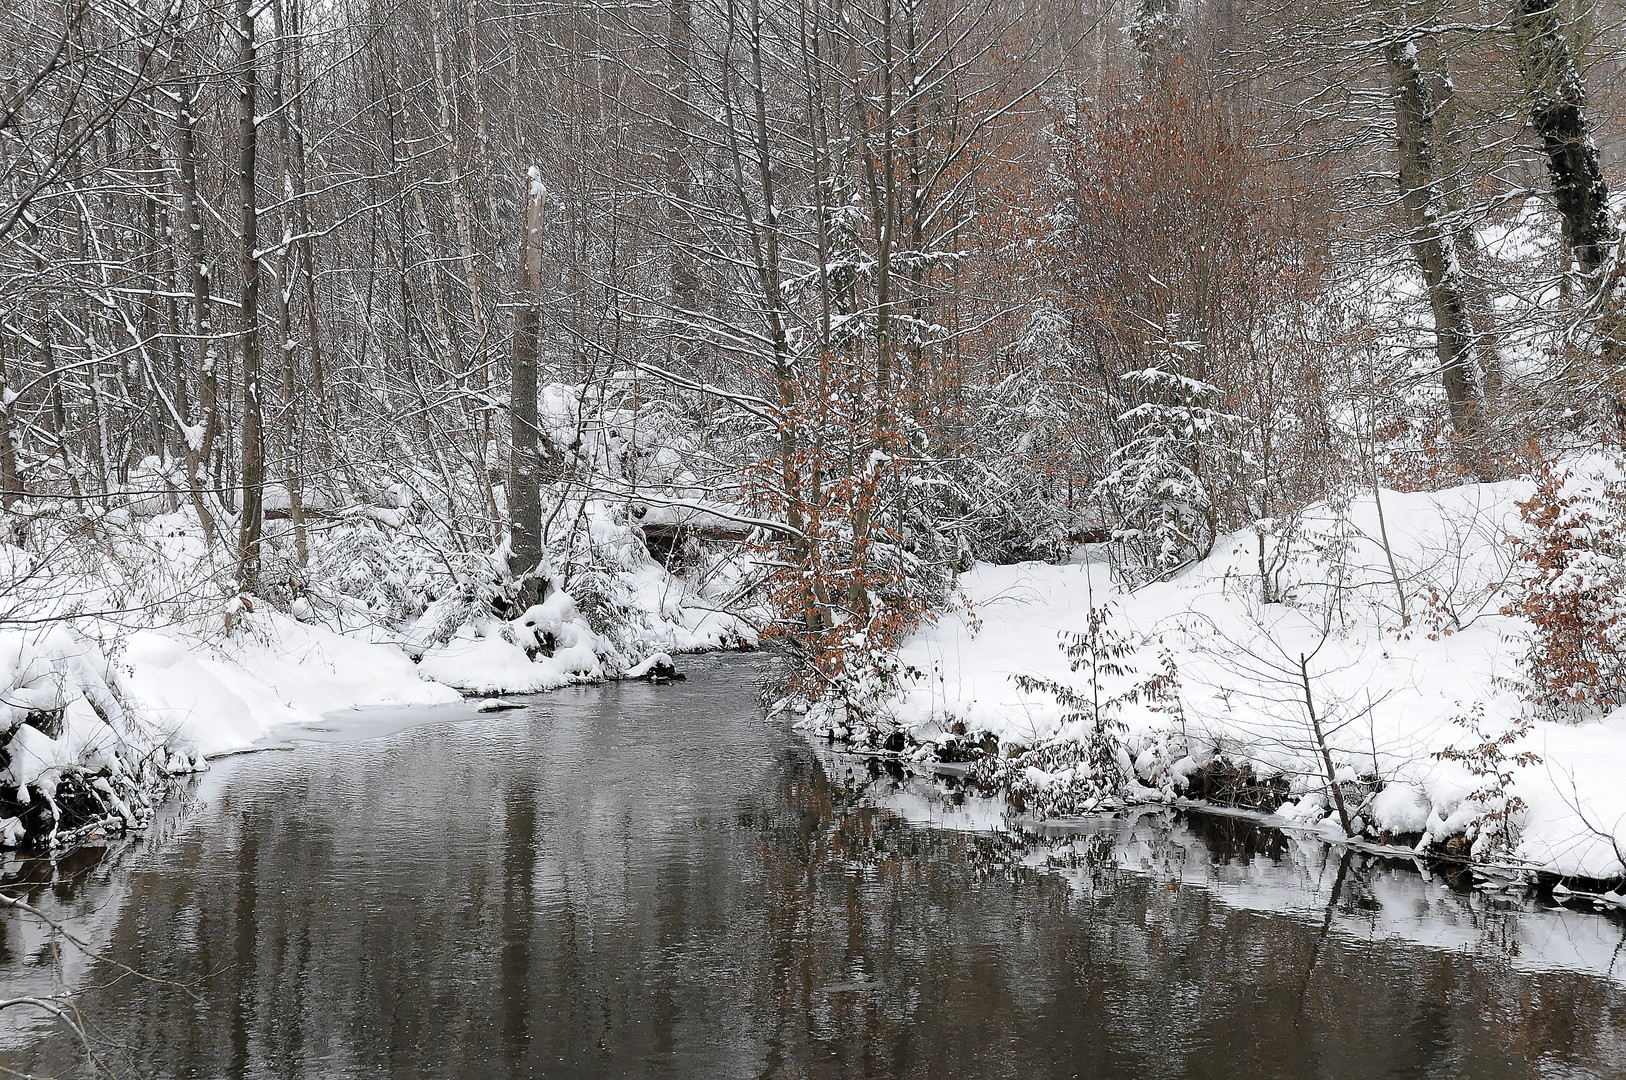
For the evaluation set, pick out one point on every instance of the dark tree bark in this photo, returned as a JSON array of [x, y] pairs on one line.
[[1558, 111], [1433, 243], [251, 450], [524, 475]]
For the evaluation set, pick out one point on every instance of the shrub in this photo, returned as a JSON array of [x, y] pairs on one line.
[[1086, 765], [1492, 766], [1573, 593]]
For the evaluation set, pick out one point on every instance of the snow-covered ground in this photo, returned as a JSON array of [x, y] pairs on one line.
[[274, 671], [135, 707], [663, 615], [1392, 693]]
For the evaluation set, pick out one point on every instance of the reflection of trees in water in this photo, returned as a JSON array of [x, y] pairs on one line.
[[910, 951], [871, 953], [1232, 838], [584, 906], [80, 890], [42, 966], [60, 913]]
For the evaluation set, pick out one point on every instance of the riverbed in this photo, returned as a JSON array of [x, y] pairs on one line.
[[640, 880]]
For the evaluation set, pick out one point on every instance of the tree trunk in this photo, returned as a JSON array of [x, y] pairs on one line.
[[252, 434], [1558, 110], [11, 484], [763, 243], [1433, 244], [1344, 820], [524, 477], [288, 432], [200, 433], [684, 286]]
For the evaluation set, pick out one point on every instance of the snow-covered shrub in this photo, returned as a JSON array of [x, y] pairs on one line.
[[1086, 764], [595, 593], [1572, 591], [1157, 34], [853, 705], [1161, 476], [1491, 811], [1030, 449], [382, 563], [72, 758]]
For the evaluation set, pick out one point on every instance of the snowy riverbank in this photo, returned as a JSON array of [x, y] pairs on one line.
[[152, 703], [121, 713], [1392, 693], [1247, 871], [125, 658]]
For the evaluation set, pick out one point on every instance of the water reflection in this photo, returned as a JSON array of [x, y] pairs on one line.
[[635, 881]]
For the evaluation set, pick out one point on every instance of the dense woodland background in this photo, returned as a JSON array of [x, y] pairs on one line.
[[885, 286]]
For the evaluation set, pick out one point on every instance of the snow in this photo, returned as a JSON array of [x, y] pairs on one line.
[[180, 699], [654, 661], [1401, 808], [565, 648], [34, 756], [1391, 695], [218, 699], [1577, 818], [484, 662], [552, 644]]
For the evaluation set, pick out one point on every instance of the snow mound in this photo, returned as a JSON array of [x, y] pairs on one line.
[[1400, 808]]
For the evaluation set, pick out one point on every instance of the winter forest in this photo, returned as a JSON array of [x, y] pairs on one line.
[[1094, 406]]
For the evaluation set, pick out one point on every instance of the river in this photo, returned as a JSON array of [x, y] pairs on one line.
[[635, 880]]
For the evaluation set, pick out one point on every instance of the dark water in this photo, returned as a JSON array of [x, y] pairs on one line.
[[653, 881]]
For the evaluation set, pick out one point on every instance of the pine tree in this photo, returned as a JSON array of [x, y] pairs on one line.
[[1159, 485]]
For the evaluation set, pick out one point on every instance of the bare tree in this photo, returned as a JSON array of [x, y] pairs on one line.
[[525, 474], [251, 448]]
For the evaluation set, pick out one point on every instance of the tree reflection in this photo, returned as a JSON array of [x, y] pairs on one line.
[[625, 884]]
